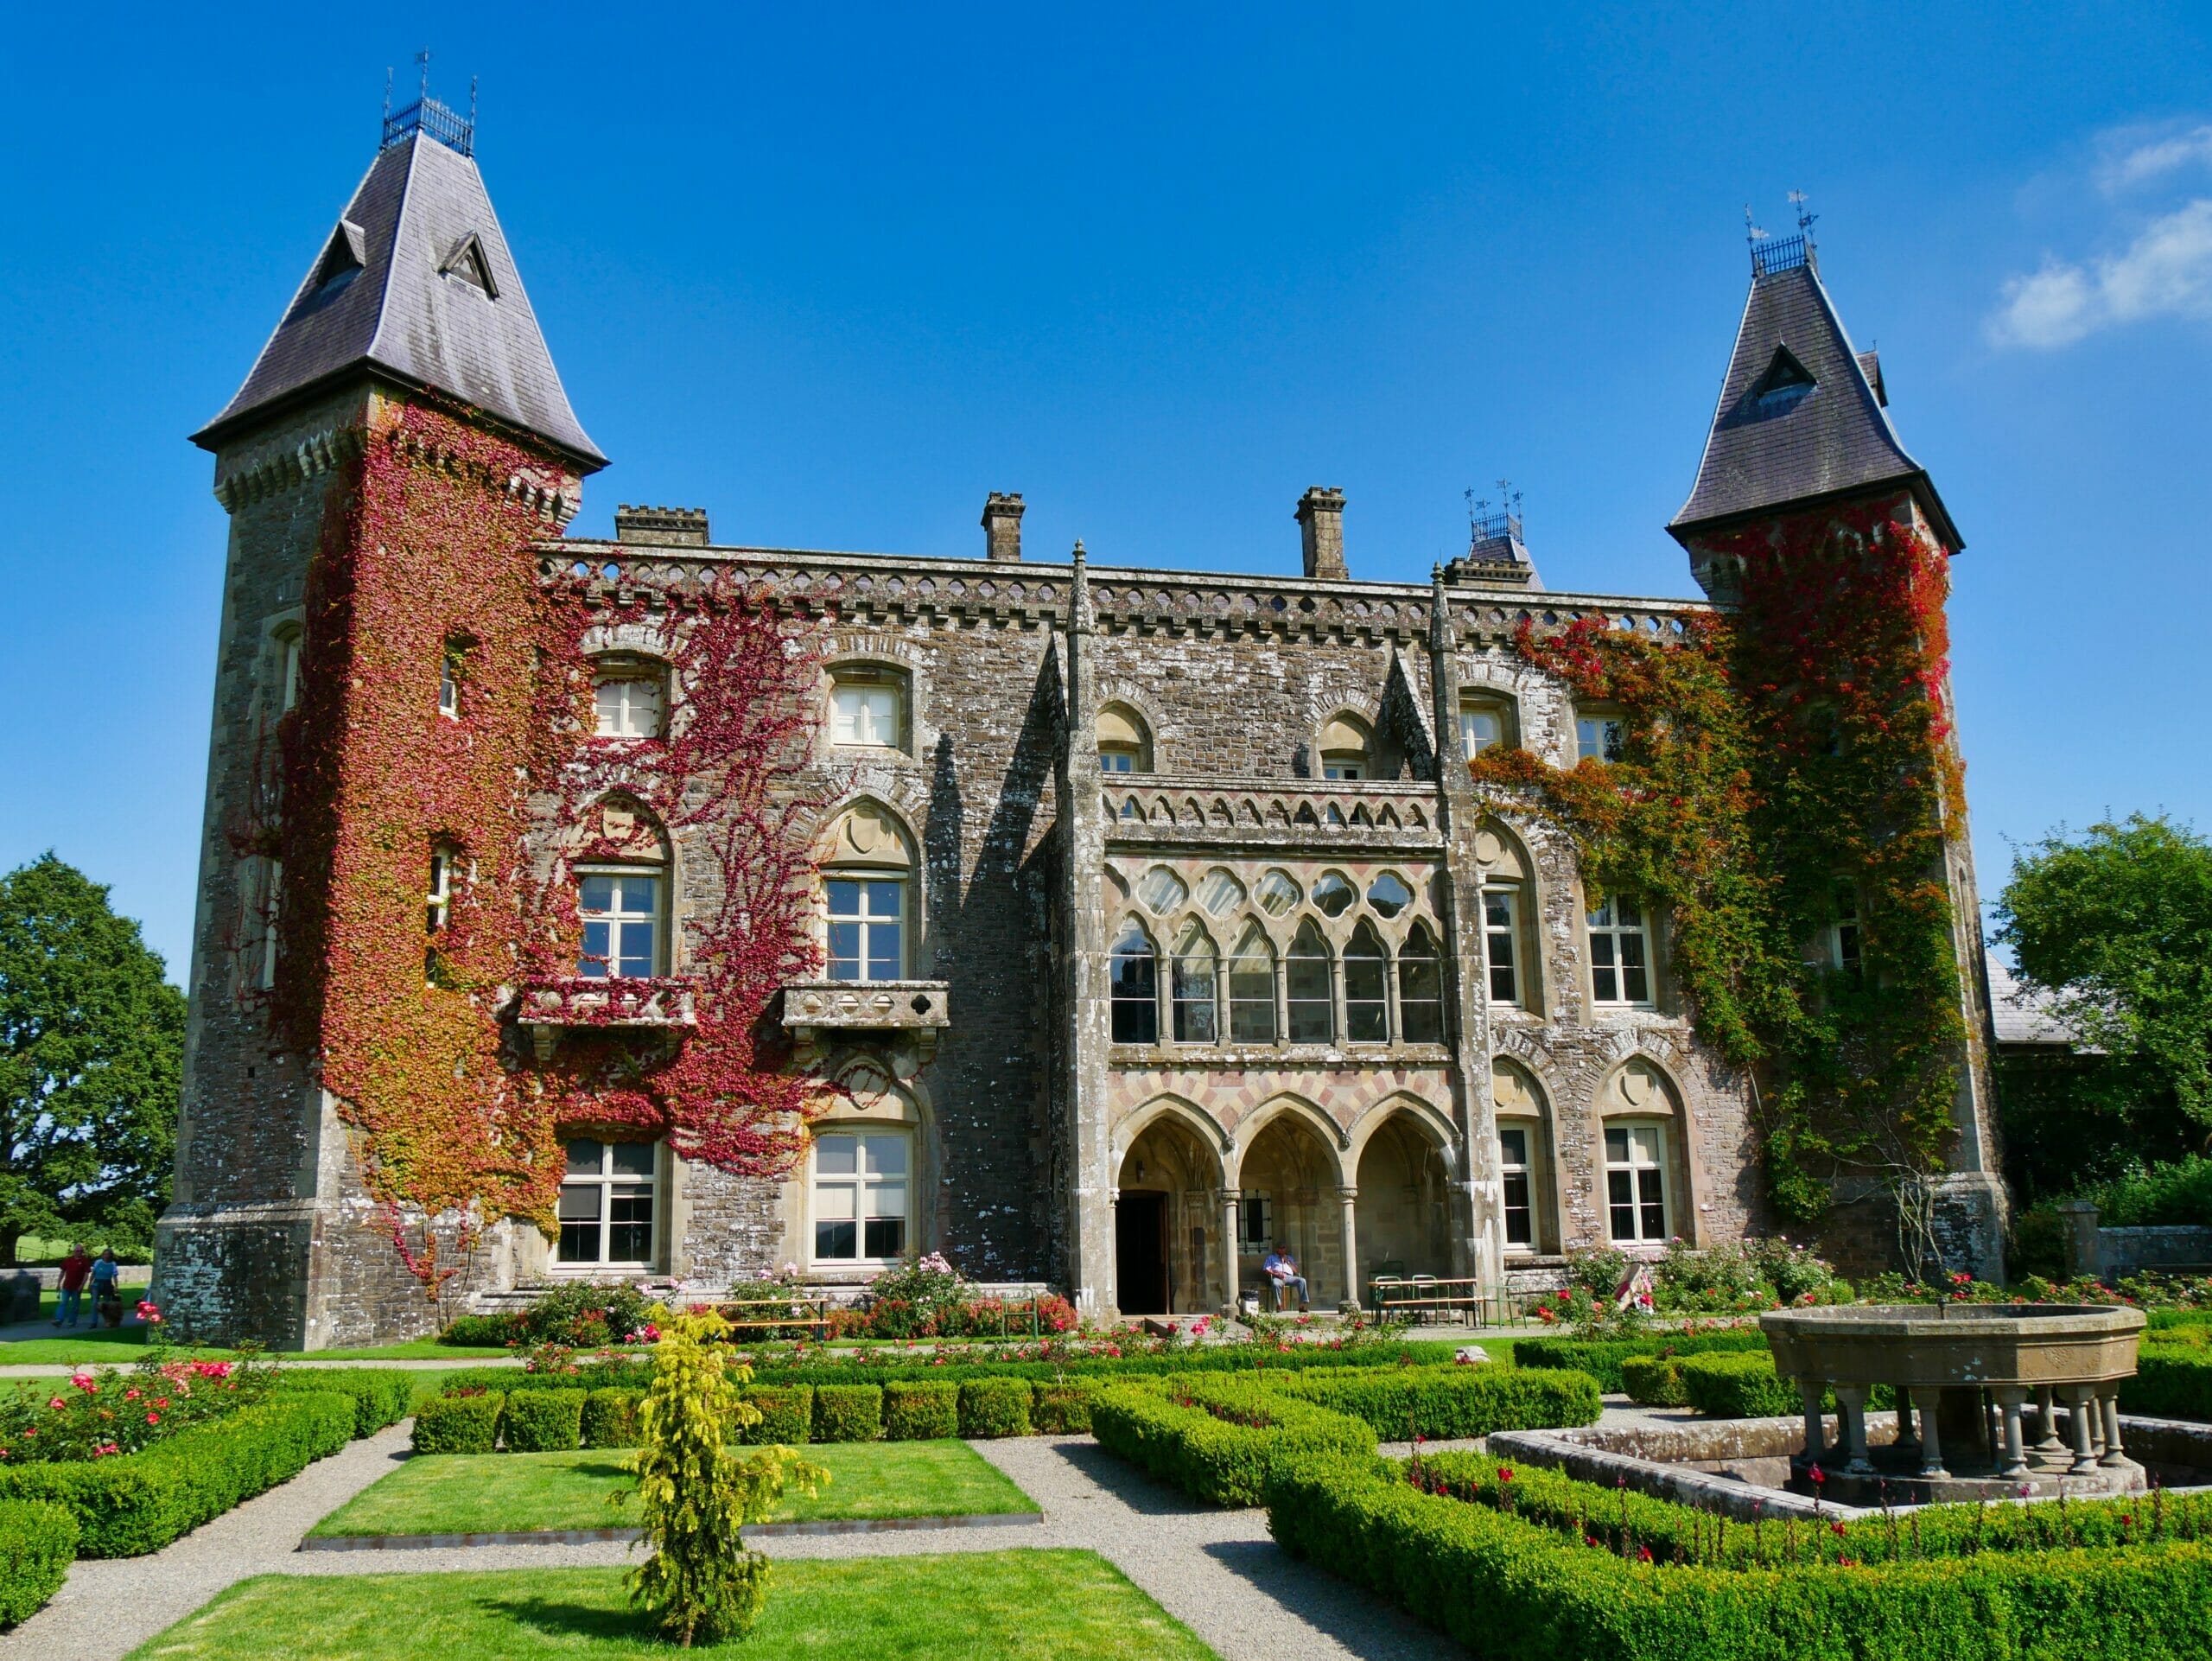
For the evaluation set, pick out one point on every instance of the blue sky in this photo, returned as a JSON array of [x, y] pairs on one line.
[[834, 273]]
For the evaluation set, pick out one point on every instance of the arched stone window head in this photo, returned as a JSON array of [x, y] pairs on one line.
[[1347, 747], [867, 893], [1124, 741], [1367, 987], [622, 892], [1310, 983], [1134, 970], [1195, 985], [1420, 987], [1523, 1159]]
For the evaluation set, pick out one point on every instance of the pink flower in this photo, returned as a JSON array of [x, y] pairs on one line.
[[150, 1311], [57, 1405], [152, 1418], [85, 1382], [131, 1395]]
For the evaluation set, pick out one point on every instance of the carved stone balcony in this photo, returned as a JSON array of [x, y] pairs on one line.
[[1160, 809], [819, 1010], [547, 1007]]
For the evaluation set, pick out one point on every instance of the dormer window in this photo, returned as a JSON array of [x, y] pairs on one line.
[[468, 261], [1783, 386], [868, 707]]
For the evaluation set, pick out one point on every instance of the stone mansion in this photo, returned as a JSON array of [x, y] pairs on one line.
[[1159, 921]]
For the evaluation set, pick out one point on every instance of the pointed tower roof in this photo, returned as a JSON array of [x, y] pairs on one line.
[[1800, 418], [416, 284]]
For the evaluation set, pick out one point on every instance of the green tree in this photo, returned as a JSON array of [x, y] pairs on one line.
[[2116, 925], [701, 1585], [91, 1054]]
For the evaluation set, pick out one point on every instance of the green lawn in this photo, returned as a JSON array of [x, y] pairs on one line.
[[119, 1347], [998, 1606], [488, 1493]]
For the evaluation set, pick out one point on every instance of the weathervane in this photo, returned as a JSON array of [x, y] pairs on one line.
[[1797, 199]]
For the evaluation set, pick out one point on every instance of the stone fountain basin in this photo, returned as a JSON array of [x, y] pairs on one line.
[[1935, 1345]]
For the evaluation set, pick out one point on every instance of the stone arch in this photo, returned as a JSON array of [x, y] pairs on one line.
[[1640, 1087], [871, 1092], [1169, 1223], [1289, 1183], [1307, 1114], [1404, 1209], [1520, 1103]]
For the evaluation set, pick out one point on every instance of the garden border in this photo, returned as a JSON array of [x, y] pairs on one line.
[[628, 1536]]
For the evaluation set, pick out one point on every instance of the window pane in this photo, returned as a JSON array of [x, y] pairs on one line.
[[1617, 1147], [597, 893], [1513, 1147], [1332, 895], [1654, 1207], [1276, 893], [886, 1236], [885, 962], [1518, 1216], [580, 1202], [632, 1159], [844, 951], [882, 898], [1134, 977], [609, 701], [835, 1239], [1620, 1197], [886, 1199], [1628, 914], [836, 1156], [1389, 896], [844, 897], [1117, 762], [637, 958], [579, 1242], [886, 1157], [845, 725], [1644, 1139], [583, 1156]]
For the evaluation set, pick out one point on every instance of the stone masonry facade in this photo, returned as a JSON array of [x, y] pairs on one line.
[[1203, 940]]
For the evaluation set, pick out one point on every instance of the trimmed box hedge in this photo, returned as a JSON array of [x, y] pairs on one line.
[[1655, 1380], [921, 1412], [1402, 1403], [1513, 1589], [38, 1542], [1601, 1358], [1746, 1386], [609, 1419], [787, 1414], [991, 1408], [1063, 1410], [2171, 1381], [135, 1503], [847, 1412], [544, 1421], [382, 1396], [460, 1425], [1221, 1443]]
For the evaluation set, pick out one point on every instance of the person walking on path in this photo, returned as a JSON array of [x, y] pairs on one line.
[[75, 1268], [107, 1289]]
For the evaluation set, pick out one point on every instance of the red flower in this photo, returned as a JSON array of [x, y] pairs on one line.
[[1644, 1554], [152, 1418], [1505, 1473]]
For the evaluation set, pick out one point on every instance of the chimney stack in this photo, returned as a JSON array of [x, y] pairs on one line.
[[1002, 528], [1321, 532]]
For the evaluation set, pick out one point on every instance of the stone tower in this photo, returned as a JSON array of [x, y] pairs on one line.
[[401, 439], [1802, 454]]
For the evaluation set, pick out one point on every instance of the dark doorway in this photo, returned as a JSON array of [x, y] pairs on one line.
[[1141, 1253]]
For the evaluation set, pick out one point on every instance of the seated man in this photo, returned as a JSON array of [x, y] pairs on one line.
[[1282, 1271]]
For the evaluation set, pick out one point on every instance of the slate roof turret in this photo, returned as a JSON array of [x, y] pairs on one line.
[[416, 285], [1802, 416]]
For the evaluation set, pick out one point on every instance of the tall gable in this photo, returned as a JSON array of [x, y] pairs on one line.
[[1800, 418], [416, 283]]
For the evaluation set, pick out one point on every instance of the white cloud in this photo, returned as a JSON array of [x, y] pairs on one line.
[[2166, 272], [2131, 158]]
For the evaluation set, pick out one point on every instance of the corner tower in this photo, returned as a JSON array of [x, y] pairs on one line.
[[1825, 538], [401, 440]]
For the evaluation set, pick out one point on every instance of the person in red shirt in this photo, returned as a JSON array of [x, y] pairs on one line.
[[75, 1268]]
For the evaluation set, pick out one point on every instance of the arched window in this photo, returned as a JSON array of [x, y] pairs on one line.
[[866, 893], [1252, 989], [1310, 983], [1421, 989], [1124, 742], [629, 697], [1135, 975], [1193, 988], [1367, 988], [1345, 743]]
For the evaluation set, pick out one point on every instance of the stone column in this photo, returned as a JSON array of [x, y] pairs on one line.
[[2010, 1399], [1905, 1434], [2080, 1401], [1850, 1407], [2047, 1411], [1815, 1441], [1348, 1224], [2108, 1407], [1228, 1198], [1931, 1439]]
